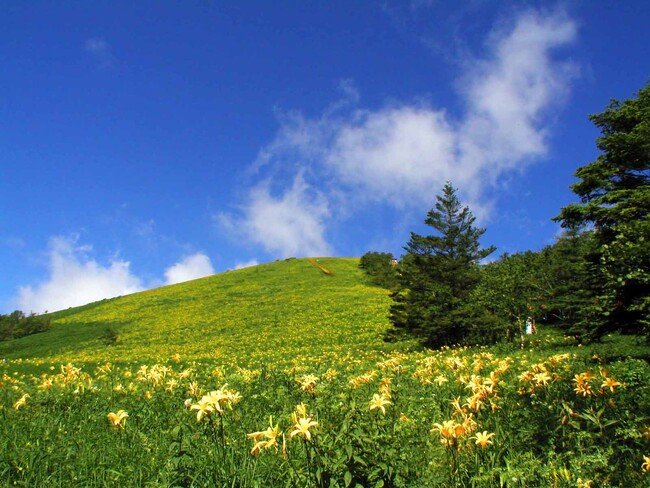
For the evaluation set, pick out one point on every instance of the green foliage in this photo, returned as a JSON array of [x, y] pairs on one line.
[[571, 293], [614, 193], [437, 276], [543, 430], [551, 286], [381, 268], [512, 289], [17, 324]]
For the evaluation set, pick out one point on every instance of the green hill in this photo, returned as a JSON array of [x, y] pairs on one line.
[[256, 314]]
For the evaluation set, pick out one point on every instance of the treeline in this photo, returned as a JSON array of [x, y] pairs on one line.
[[17, 324], [471, 303], [594, 280]]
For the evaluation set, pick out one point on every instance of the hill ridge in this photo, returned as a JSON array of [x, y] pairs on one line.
[[262, 308]]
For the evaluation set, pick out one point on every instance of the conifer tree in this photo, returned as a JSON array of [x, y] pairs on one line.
[[438, 273], [614, 193]]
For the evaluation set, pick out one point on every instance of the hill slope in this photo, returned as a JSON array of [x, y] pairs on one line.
[[257, 312]]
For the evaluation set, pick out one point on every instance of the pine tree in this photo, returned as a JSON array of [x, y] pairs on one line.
[[438, 273], [614, 193]]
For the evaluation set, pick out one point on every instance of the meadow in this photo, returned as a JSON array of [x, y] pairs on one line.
[[278, 375]]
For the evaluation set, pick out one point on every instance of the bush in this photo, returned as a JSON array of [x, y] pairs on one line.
[[380, 266], [17, 324]]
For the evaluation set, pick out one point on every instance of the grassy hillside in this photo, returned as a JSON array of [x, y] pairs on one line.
[[277, 376], [256, 313]]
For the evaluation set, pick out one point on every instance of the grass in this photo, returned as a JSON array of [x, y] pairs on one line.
[[257, 312], [277, 375]]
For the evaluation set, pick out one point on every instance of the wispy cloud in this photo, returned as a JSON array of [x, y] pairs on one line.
[[76, 279], [101, 51], [190, 268], [403, 153]]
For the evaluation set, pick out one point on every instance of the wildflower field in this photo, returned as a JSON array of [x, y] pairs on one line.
[[278, 376]]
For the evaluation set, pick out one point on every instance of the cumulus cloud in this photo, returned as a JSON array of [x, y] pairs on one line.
[[190, 268], [75, 279], [290, 224], [402, 154]]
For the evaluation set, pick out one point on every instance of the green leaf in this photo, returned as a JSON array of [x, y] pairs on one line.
[[347, 478]]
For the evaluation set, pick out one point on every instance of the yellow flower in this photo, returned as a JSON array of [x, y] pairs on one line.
[[22, 401], [440, 379], [610, 383], [185, 374], [117, 419], [308, 383], [171, 384], [542, 378], [218, 398], [582, 384], [302, 426], [458, 409], [483, 438], [204, 407], [301, 410], [404, 418], [646, 464], [450, 431], [193, 389], [271, 435], [379, 402], [384, 387]]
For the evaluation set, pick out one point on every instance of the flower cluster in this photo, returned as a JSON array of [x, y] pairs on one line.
[[302, 422], [271, 435], [308, 383], [584, 383], [215, 401]]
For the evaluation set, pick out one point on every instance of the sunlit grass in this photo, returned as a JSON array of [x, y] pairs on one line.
[[255, 313], [278, 376]]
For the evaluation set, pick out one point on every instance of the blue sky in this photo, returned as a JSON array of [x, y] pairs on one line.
[[147, 143]]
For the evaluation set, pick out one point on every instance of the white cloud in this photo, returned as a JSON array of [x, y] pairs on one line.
[[75, 279], [246, 264], [402, 154], [394, 154], [508, 96], [288, 225], [190, 268]]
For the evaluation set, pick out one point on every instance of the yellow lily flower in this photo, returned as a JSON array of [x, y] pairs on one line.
[[302, 427], [204, 407], [22, 401], [117, 419], [271, 434], [379, 402], [646, 464], [610, 383], [483, 438]]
